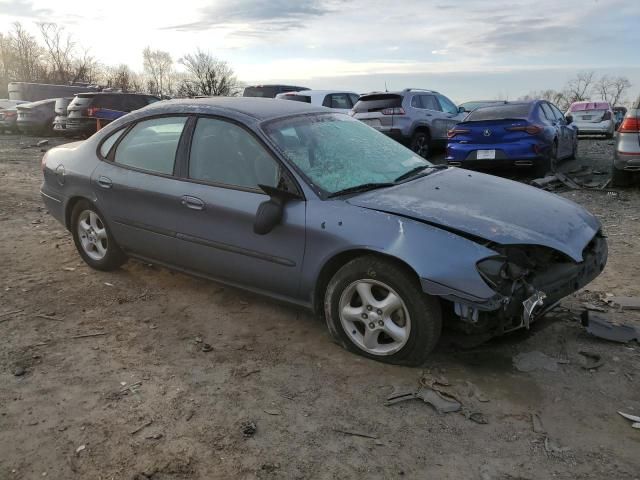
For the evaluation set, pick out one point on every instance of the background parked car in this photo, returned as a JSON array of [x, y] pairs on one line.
[[471, 106], [270, 91], [6, 103], [337, 100], [8, 117], [36, 118], [626, 163], [87, 108], [593, 118], [531, 134], [416, 118], [60, 122], [619, 113]]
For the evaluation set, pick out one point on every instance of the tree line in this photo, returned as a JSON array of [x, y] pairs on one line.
[[53, 56], [586, 86]]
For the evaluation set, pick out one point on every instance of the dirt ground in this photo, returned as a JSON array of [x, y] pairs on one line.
[[106, 375]]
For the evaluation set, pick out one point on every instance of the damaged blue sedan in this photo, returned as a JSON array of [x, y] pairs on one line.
[[318, 209]]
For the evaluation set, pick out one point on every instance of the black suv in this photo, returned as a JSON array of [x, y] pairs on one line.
[[89, 111]]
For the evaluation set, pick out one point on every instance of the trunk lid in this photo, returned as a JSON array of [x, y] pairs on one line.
[[491, 131], [488, 207], [369, 109]]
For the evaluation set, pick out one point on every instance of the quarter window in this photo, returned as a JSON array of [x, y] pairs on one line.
[[222, 152], [152, 144], [447, 105], [106, 146], [548, 112]]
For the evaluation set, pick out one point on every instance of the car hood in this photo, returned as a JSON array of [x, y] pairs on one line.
[[488, 207]]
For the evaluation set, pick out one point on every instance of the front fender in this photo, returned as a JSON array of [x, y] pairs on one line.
[[444, 262]]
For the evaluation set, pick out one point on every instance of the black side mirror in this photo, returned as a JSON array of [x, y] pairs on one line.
[[569, 119], [462, 110], [269, 213]]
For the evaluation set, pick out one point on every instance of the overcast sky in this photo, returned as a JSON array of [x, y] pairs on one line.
[[468, 49]]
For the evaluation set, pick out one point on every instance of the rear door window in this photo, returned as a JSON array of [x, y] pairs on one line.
[[337, 100], [548, 113], [151, 145], [225, 153], [556, 111], [429, 102]]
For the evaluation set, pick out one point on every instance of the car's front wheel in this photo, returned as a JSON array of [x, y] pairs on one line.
[[93, 240], [374, 307]]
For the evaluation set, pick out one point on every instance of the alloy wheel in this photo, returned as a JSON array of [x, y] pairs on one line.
[[374, 317], [92, 233]]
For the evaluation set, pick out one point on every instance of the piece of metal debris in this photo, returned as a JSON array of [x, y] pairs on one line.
[[442, 403], [42, 142], [536, 423], [591, 360], [80, 448], [635, 419], [625, 303], [478, 417], [248, 429], [552, 447], [535, 360], [601, 327], [355, 434]]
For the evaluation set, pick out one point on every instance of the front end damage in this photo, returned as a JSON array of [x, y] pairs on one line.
[[529, 281]]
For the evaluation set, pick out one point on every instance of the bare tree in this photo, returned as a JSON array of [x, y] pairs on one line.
[[556, 97], [209, 76], [59, 48], [27, 53], [612, 89], [579, 88], [158, 65]]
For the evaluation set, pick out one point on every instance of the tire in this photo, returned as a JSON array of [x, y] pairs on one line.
[[421, 143], [414, 318], [620, 178], [547, 163], [95, 244]]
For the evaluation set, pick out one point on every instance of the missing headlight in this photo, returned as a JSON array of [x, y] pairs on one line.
[[500, 273]]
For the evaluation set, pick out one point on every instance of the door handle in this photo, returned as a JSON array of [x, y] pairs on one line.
[[105, 182], [192, 202]]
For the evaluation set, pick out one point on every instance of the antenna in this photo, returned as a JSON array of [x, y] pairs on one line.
[[385, 87]]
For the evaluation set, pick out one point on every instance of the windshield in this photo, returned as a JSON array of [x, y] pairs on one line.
[[336, 152]]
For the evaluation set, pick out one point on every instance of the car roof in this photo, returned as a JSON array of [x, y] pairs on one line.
[[255, 107], [94, 94], [37, 104], [316, 92]]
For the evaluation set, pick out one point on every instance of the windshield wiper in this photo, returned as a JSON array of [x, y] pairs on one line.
[[365, 187], [415, 171]]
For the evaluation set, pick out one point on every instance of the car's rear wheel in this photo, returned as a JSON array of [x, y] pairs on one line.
[[620, 178], [375, 308], [574, 151], [92, 238], [420, 143], [548, 162]]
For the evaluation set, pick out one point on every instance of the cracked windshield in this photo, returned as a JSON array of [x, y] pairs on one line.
[[336, 152]]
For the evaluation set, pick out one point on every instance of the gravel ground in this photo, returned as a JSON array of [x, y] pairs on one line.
[[105, 375]]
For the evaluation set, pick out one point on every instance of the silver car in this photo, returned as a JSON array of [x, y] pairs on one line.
[[313, 207], [626, 161], [415, 117], [593, 118]]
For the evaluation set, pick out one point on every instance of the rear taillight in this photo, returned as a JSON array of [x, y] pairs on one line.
[[630, 125], [92, 111], [10, 114], [606, 116], [43, 163], [530, 129], [457, 131], [393, 111]]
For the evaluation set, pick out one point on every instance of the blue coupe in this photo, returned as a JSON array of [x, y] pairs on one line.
[[523, 134]]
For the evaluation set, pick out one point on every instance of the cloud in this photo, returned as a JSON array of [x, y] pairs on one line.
[[256, 18], [23, 8]]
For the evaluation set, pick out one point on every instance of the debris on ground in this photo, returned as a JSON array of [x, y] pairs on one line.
[[478, 417], [535, 360], [272, 412], [474, 392], [80, 448], [141, 427], [536, 423], [355, 434], [625, 303], [552, 447], [577, 179], [635, 419], [591, 360], [248, 429], [442, 403], [42, 142], [601, 327], [19, 371], [206, 347], [594, 308]]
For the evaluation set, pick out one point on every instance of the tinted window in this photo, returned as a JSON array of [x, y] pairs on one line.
[[556, 112], [447, 105], [547, 112], [377, 102], [430, 103], [500, 112], [297, 98], [152, 144], [337, 100], [222, 152], [109, 142], [354, 98], [336, 151]]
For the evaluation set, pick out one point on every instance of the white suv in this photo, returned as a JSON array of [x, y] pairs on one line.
[[337, 100]]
